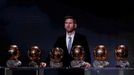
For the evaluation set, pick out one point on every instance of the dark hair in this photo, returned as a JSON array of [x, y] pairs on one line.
[[70, 17]]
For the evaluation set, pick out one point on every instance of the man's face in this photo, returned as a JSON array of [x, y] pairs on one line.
[[70, 25]]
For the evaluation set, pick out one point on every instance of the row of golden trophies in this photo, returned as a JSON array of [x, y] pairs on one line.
[[121, 55], [77, 52], [33, 55]]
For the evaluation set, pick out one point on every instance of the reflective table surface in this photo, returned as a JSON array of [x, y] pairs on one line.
[[66, 71]]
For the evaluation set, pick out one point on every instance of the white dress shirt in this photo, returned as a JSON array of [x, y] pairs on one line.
[[69, 35]]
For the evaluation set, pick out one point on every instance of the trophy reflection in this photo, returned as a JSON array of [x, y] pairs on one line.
[[14, 54], [56, 55], [78, 54], [100, 54], [34, 56], [121, 55]]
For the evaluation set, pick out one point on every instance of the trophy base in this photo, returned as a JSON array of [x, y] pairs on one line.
[[56, 65], [13, 63], [77, 63], [33, 64], [100, 64], [122, 64]]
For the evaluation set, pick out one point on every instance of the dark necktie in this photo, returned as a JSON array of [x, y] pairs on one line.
[[69, 44]]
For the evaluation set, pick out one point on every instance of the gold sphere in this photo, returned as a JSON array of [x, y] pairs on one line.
[[100, 53], [34, 53], [121, 52], [77, 52]]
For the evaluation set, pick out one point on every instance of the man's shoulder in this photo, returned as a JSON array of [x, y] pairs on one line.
[[80, 35], [61, 36]]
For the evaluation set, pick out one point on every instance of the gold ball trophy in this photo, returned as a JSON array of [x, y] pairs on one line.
[[14, 54], [121, 55], [56, 55], [100, 54], [78, 55], [34, 56]]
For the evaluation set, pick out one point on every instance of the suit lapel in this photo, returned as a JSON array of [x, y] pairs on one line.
[[75, 40], [65, 46]]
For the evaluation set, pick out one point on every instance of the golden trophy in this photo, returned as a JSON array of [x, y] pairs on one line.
[[56, 55], [14, 54], [34, 56], [100, 54], [121, 55], [78, 55]]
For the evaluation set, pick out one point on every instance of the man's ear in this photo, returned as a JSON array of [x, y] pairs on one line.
[[75, 26]]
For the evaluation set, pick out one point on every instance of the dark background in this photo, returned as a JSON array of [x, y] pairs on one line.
[[40, 22]]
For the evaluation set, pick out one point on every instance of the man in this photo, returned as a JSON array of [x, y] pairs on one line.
[[75, 38]]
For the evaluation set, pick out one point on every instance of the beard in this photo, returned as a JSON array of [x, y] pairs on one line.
[[69, 30]]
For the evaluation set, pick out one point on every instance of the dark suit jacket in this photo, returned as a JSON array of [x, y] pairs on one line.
[[78, 40]]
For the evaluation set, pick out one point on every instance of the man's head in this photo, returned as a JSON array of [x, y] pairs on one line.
[[70, 24]]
